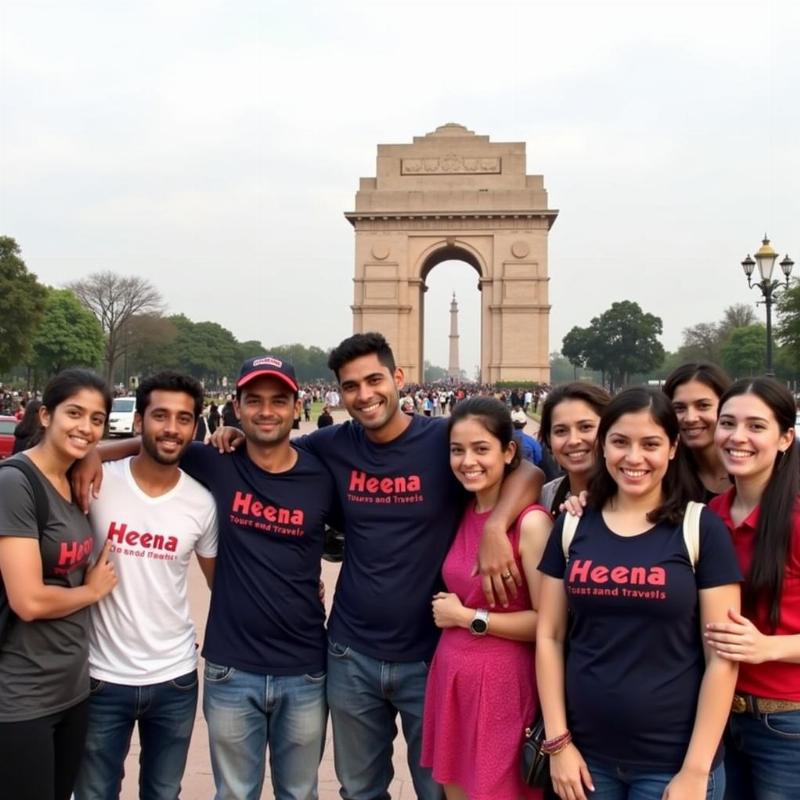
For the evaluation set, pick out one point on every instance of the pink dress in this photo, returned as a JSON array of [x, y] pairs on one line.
[[481, 690]]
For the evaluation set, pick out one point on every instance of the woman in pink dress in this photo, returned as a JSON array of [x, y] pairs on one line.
[[481, 688]]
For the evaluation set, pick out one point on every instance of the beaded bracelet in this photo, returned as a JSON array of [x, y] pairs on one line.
[[555, 745]]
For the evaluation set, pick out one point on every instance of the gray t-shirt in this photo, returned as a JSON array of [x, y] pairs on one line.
[[44, 664]]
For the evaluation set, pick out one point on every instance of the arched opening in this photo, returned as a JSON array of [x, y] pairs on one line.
[[448, 271]]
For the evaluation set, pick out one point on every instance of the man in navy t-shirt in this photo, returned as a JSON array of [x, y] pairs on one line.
[[265, 638], [401, 506]]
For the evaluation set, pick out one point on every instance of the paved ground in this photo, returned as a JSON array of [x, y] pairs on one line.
[[198, 783]]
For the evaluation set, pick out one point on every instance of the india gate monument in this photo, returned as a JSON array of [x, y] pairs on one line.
[[452, 195]]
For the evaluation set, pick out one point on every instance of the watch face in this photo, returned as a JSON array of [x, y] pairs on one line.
[[479, 625]]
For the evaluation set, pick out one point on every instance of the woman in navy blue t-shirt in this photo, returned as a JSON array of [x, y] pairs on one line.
[[636, 710]]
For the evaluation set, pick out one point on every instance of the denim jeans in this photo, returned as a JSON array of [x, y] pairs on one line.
[[620, 783], [246, 713], [762, 756], [365, 696], [165, 713]]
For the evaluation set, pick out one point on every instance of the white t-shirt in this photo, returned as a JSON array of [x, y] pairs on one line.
[[142, 632]]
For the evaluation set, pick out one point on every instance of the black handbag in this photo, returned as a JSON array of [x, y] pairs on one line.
[[534, 763]]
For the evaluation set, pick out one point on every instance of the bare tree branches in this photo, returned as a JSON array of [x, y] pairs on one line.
[[114, 300]]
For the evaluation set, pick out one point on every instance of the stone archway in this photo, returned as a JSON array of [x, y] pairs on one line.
[[452, 195]]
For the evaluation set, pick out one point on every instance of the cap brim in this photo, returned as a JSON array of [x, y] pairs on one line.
[[251, 376]]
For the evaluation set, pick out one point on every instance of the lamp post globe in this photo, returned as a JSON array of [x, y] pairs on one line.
[[765, 259]]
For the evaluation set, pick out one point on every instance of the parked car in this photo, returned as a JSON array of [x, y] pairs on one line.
[[7, 425], [120, 420]]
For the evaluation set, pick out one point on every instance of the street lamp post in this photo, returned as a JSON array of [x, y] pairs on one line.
[[766, 258]]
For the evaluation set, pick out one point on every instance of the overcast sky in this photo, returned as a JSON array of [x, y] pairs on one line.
[[212, 147]]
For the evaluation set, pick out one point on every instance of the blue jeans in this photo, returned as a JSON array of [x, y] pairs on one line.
[[165, 713], [365, 696], [246, 712], [762, 756], [621, 783]]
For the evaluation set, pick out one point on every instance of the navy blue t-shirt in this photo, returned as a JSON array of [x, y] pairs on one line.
[[265, 615], [635, 657], [401, 505]]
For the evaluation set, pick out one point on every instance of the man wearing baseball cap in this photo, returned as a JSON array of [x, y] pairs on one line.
[[265, 644]]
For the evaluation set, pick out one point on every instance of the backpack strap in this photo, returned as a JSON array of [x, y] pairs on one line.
[[691, 531], [568, 532], [40, 501]]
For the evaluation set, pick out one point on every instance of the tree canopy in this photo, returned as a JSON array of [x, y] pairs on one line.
[[22, 301], [68, 335], [744, 353], [788, 327], [621, 342]]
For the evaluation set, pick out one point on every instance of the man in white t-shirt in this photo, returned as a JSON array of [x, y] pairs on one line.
[[142, 653]]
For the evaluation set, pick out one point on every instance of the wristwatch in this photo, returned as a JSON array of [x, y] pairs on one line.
[[480, 622]]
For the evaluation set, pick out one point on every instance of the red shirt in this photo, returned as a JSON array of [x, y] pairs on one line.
[[778, 680]]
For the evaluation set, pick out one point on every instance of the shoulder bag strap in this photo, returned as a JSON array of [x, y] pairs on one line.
[[568, 532], [691, 531]]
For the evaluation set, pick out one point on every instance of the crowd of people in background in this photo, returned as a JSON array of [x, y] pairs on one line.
[[640, 592]]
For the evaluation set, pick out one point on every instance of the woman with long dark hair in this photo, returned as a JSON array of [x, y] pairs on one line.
[[568, 429], [481, 692], [636, 709], [46, 586], [695, 390], [756, 440]]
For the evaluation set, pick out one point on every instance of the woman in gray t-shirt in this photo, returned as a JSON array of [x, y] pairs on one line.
[[46, 587]]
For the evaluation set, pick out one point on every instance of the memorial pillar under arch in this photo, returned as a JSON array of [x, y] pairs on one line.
[[452, 195]]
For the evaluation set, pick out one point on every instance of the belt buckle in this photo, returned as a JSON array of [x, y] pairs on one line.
[[739, 705]]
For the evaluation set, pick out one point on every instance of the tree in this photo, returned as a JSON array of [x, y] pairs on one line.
[[68, 335], [788, 327], [149, 340], [22, 300], [574, 347], [250, 349], [745, 352], [205, 350], [739, 315], [701, 342], [431, 373], [114, 300], [620, 342], [562, 370], [310, 363]]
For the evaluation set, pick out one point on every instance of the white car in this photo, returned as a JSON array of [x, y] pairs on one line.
[[797, 426], [120, 420]]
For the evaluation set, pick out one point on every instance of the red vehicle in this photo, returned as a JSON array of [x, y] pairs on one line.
[[7, 425]]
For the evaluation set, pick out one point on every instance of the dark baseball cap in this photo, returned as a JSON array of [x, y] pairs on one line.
[[267, 365]]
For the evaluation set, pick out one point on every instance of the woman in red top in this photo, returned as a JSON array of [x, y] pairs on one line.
[[755, 435]]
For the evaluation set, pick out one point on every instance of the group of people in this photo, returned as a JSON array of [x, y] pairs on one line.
[[467, 601]]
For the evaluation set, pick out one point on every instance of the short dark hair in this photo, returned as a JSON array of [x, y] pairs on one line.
[[69, 382], [596, 397], [169, 381], [361, 344], [494, 416], [677, 485]]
